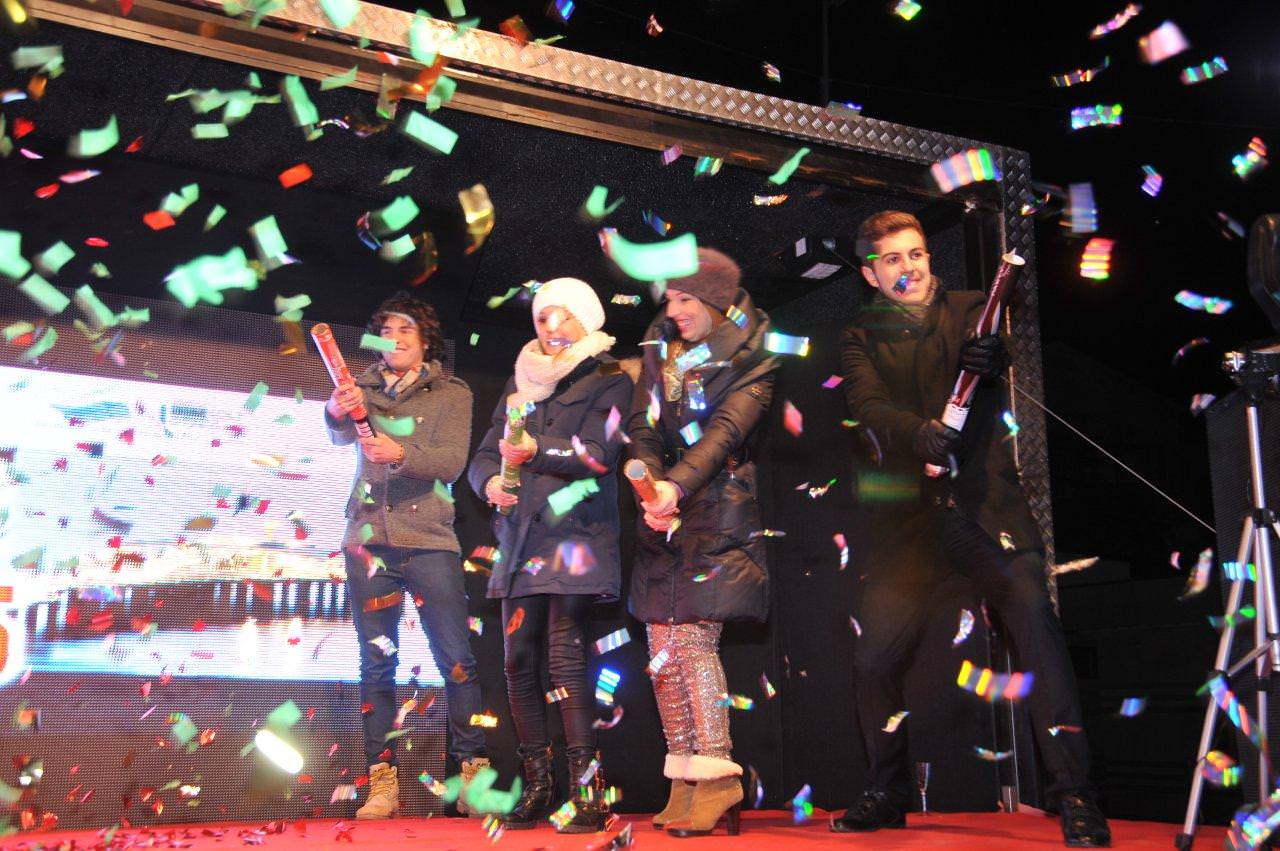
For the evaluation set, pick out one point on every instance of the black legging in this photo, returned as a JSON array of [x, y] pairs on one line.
[[558, 624]]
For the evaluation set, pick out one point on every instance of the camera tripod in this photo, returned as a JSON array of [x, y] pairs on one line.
[[1256, 372]]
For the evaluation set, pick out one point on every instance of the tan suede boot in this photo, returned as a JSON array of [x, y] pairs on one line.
[[470, 768], [681, 798], [384, 792], [718, 794]]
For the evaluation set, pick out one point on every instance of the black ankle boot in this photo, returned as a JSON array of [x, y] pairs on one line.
[[538, 799], [1083, 824], [591, 812], [872, 811]]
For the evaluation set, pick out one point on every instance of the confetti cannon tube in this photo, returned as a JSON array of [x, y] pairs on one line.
[[513, 433], [337, 366], [641, 479], [957, 410]]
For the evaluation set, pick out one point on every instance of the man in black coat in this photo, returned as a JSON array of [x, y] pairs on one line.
[[900, 357]]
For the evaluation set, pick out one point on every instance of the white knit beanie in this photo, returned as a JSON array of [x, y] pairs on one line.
[[573, 295]]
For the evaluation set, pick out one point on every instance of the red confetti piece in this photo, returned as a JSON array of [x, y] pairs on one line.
[[311, 713], [458, 675], [127, 436], [114, 542], [198, 626], [96, 242], [48, 190], [126, 6], [158, 220], [22, 126], [73, 616], [362, 780], [291, 177], [366, 708], [517, 619], [134, 146], [101, 621]]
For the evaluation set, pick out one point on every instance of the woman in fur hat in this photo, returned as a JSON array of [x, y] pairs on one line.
[[707, 381]]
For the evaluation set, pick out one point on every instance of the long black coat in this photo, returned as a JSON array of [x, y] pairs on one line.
[[579, 406], [896, 377], [712, 569]]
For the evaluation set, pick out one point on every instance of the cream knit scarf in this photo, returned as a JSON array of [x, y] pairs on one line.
[[537, 374]]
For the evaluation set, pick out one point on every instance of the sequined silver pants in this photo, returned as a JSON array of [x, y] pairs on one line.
[[690, 687]]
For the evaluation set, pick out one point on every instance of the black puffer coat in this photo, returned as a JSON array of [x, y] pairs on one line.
[[712, 569], [579, 406]]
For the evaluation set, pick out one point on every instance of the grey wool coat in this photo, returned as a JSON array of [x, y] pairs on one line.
[[579, 407], [401, 503]]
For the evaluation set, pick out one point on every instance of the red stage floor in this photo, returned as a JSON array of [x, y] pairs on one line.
[[765, 829]]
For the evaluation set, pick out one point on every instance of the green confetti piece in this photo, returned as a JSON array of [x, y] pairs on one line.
[[209, 131], [183, 729], [397, 175], [37, 57], [6, 144], [366, 532], [337, 81], [30, 560], [290, 308], [399, 427], [100, 270], [43, 293], [16, 330], [133, 318], [420, 41], [205, 277], [284, 716], [395, 734], [176, 203], [150, 373], [373, 343], [551, 39], [261, 10], [221, 491], [441, 93], [442, 490], [563, 500], [53, 258], [44, 344], [98, 314], [788, 168], [215, 216], [12, 263], [255, 396], [461, 28], [428, 133], [253, 81], [656, 261], [395, 216], [456, 8], [475, 338], [267, 240], [9, 795], [301, 110], [340, 12], [91, 143], [297, 396], [595, 208], [397, 249], [231, 8], [283, 419]]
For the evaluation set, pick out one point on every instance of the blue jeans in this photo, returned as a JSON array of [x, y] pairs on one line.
[[432, 579]]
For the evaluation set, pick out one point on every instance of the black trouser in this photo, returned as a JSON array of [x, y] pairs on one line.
[[554, 628], [892, 617]]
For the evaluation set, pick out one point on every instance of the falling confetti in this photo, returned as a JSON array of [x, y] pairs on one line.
[[652, 27], [843, 545], [1081, 213], [1132, 707], [1193, 74], [1188, 347], [1164, 41], [895, 721], [1252, 160], [1200, 401], [1208, 304], [1095, 262], [991, 756], [792, 420], [771, 72], [1101, 115], [905, 9], [964, 168], [1116, 22], [1199, 578], [1152, 182], [992, 686], [965, 628], [612, 641], [1080, 75]]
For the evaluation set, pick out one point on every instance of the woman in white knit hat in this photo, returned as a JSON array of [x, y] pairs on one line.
[[556, 560]]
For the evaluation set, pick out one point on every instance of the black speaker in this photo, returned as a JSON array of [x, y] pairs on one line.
[[1232, 500]]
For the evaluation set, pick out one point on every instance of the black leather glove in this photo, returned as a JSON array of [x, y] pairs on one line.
[[985, 357], [936, 442]]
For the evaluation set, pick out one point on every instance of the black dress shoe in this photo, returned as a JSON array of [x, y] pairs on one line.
[[1083, 824], [871, 812]]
